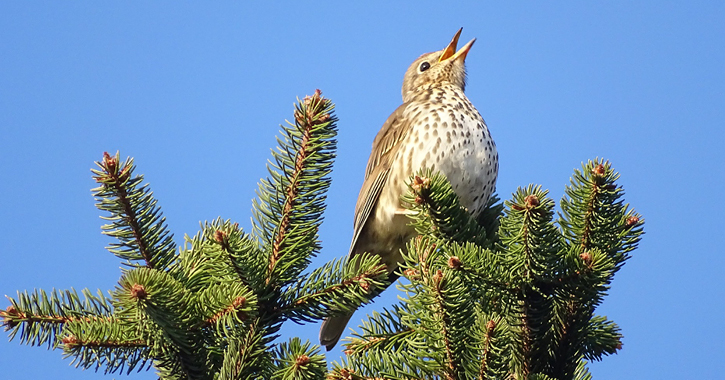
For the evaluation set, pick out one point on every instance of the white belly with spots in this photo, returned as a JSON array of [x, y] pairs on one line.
[[455, 141], [448, 136]]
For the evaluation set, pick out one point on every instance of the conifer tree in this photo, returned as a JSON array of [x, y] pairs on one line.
[[511, 294]]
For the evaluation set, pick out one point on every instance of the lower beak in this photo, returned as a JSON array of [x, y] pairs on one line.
[[461, 54]]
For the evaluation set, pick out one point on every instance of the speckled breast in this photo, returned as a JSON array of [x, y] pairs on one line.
[[449, 135]]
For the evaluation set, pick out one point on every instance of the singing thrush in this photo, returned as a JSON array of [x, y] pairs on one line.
[[436, 127]]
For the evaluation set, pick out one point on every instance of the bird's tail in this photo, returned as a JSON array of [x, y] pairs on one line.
[[332, 329]]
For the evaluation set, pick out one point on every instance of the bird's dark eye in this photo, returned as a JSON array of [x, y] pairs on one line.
[[424, 66]]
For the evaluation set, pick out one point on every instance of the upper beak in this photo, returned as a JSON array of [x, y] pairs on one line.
[[450, 51]]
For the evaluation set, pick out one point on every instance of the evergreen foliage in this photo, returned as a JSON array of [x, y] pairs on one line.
[[511, 294], [517, 304]]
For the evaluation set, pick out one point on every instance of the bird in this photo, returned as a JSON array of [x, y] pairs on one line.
[[436, 127]]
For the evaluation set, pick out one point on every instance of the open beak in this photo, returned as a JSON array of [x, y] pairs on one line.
[[450, 51]]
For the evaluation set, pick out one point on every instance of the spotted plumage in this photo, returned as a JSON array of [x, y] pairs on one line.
[[436, 127]]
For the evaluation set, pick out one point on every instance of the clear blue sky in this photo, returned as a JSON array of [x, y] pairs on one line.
[[196, 93]]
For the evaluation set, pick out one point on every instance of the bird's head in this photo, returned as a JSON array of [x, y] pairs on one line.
[[435, 69]]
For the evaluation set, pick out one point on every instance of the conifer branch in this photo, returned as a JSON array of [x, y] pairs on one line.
[[232, 309], [453, 367], [347, 374], [297, 360], [306, 118], [224, 250], [362, 281], [226, 306], [437, 210], [585, 241], [292, 192], [115, 355], [529, 205], [582, 372], [339, 286], [486, 351], [71, 342], [526, 340], [289, 209], [154, 296], [481, 269], [137, 222], [246, 356], [12, 317], [567, 340], [366, 342], [383, 331], [222, 237], [602, 337], [231, 254], [115, 180], [40, 317], [531, 246], [435, 281]]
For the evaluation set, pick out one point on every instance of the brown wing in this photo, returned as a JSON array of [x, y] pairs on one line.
[[385, 147]]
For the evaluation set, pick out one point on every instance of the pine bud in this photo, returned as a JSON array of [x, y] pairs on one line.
[[531, 201], [345, 373], [302, 360], [310, 104], [110, 163], [11, 311], [138, 292], [70, 341], [632, 221], [490, 325], [587, 258], [220, 236], [420, 184], [239, 302], [599, 170], [454, 262], [438, 277], [411, 273]]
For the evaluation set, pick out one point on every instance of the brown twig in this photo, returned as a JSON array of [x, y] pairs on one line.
[[306, 121]]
